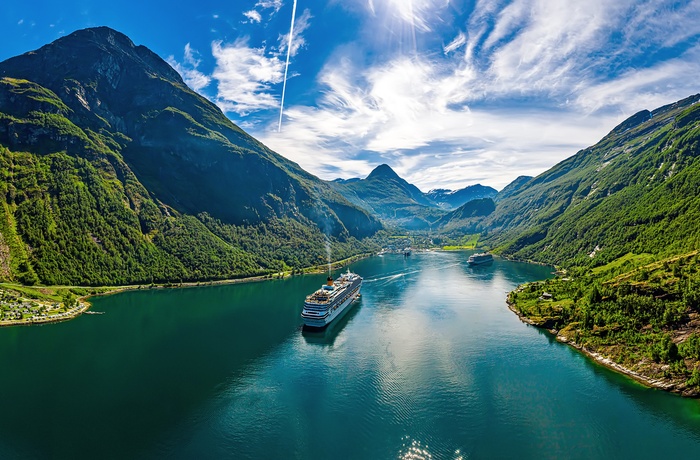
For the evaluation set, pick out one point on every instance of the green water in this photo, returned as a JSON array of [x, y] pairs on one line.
[[428, 364]]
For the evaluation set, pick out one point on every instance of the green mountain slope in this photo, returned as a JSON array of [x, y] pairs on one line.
[[637, 190], [638, 313], [391, 198], [114, 171], [512, 188], [623, 218], [466, 218]]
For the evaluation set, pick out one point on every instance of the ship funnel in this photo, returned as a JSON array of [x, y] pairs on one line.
[[329, 281]]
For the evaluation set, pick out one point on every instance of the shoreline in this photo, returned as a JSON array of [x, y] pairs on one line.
[[670, 386], [85, 305]]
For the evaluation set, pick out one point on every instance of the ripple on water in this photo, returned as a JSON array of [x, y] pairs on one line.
[[431, 365]]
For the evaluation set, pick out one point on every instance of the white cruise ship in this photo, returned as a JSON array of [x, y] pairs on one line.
[[329, 302], [478, 259]]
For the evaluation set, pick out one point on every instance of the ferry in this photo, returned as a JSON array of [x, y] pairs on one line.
[[481, 258], [329, 302]]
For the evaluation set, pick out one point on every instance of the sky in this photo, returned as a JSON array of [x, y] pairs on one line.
[[449, 93]]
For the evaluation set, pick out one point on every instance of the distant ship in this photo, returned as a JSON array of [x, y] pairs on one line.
[[329, 302], [481, 258]]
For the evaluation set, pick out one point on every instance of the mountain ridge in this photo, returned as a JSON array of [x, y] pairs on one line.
[[453, 199], [390, 197], [608, 199], [193, 191], [400, 203]]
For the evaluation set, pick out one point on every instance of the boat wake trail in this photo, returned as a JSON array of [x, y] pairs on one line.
[[390, 277]]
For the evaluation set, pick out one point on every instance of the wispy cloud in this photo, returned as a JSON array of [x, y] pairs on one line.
[[459, 41], [404, 115], [267, 4], [188, 69], [515, 85], [644, 88], [301, 24], [245, 75], [537, 81], [253, 16], [416, 13]]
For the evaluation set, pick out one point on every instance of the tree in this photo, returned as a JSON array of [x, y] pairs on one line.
[[69, 299], [594, 296]]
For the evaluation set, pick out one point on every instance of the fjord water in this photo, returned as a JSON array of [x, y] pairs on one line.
[[430, 363]]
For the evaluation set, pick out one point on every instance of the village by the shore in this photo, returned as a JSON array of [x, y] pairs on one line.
[[17, 310]]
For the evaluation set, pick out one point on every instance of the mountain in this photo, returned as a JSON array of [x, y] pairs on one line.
[[623, 219], [450, 200], [466, 218], [388, 196], [636, 191], [346, 181], [114, 172], [399, 203], [512, 188]]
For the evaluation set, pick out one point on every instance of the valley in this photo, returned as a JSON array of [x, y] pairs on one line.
[[115, 173]]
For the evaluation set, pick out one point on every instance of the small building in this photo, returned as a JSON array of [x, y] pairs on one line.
[[546, 296]]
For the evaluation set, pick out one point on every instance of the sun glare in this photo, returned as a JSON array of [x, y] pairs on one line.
[[405, 17]]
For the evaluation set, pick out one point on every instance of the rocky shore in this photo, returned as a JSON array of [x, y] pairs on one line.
[[671, 385]]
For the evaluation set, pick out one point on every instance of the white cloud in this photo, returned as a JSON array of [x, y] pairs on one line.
[[188, 69], [253, 16], [402, 113], [301, 24], [538, 81], [458, 42], [644, 88], [662, 22], [267, 4], [20, 22], [244, 76], [416, 13]]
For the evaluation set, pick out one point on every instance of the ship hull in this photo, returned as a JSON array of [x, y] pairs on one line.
[[480, 259], [480, 262]]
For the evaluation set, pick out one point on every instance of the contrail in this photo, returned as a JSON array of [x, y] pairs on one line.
[[286, 66]]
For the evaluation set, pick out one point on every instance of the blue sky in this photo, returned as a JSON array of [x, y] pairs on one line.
[[449, 93]]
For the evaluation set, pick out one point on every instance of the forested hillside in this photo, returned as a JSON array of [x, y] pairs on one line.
[[622, 219], [636, 191], [114, 171]]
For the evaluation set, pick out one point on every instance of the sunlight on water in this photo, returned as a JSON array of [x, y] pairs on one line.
[[428, 363], [413, 450]]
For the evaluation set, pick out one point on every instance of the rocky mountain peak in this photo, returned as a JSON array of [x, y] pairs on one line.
[[383, 171]]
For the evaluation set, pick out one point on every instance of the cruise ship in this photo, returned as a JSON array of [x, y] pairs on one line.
[[481, 258], [329, 302]]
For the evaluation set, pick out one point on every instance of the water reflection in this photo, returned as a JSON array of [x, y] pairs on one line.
[[326, 337], [651, 400], [551, 338], [429, 363]]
